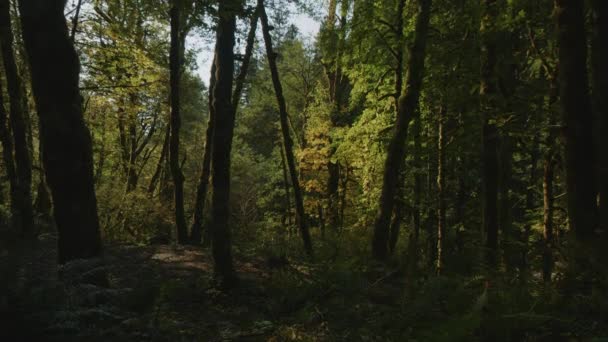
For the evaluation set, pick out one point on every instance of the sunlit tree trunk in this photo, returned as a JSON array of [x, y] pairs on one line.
[[66, 141], [408, 103], [287, 140], [18, 124]]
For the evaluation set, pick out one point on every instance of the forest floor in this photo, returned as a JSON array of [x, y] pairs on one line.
[[165, 293]]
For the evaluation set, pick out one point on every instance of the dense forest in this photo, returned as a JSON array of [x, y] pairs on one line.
[[422, 170]]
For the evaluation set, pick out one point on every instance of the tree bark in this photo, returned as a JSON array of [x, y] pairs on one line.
[[287, 140], [490, 134], [577, 117], [396, 151], [66, 141], [176, 171], [222, 145], [18, 105]]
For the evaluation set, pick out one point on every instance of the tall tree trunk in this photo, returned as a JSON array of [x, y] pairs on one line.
[[242, 76], [396, 151], [490, 134], [577, 117], [196, 232], [287, 140], [600, 94], [176, 171], [222, 145], [441, 202], [201, 193], [66, 141], [18, 106]]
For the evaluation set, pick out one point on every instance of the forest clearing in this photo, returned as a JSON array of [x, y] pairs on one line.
[[303, 170]]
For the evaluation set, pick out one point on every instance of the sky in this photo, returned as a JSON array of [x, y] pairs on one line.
[[308, 27]]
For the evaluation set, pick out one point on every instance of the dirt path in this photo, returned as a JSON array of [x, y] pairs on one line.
[[156, 293]]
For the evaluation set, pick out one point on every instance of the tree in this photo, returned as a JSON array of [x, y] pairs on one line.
[[222, 143], [201, 193], [177, 41], [396, 150], [577, 117], [287, 140], [24, 219], [66, 141]]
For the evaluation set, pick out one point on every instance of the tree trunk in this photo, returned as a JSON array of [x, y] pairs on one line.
[[242, 76], [201, 193], [18, 106], [490, 134], [161, 162], [196, 232], [222, 146], [600, 95], [287, 140], [577, 117], [176, 171], [66, 141], [396, 151]]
